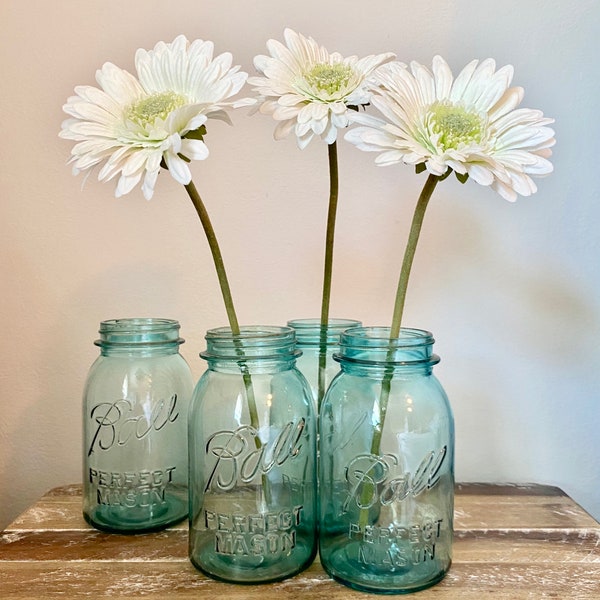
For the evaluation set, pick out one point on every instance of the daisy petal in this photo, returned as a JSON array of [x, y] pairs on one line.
[[132, 124], [302, 80], [471, 124]]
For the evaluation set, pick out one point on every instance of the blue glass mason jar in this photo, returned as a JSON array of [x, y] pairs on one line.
[[252, 439], [319, 368], [387, 465], [135, 406]]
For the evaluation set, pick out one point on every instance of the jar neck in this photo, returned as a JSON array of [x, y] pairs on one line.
[[145, 337], [254, 346], [372, 349], [310, 332]]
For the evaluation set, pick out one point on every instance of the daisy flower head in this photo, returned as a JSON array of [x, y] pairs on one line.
[[470, 124], [309, 90], [135, 125]]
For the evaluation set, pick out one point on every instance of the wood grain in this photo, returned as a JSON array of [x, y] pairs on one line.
[[511, 543]]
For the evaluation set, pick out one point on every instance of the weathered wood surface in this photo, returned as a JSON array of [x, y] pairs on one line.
[[511, 543]]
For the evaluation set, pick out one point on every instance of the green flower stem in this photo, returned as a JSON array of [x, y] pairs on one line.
[[226, 292], [407, 262], [216, 254], [409, 253], [328, 269]]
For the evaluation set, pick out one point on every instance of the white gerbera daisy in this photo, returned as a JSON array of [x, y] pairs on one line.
[[136, 124], [470, 124], [310, 90]]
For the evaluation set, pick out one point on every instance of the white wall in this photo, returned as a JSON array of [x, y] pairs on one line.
[[511, 291]]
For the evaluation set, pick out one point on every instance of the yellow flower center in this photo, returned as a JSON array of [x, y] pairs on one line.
[[455, 125], [159, 105], [329, 78]]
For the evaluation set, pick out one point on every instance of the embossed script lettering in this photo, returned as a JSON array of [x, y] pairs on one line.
[[373, 478], [240, 455], [116, 423]]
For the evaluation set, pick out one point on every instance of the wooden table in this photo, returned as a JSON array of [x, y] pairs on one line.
[[511, 542]]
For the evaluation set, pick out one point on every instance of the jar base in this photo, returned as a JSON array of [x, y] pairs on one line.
[[125, 520], [383, 579], [385, 592], [240, 570]]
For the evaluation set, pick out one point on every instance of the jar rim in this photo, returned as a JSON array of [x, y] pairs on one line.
[[250, 332], [302, 324], [373, 346], [138, 323], [252, 342], [310, 332], [148, 331], [378, 337]]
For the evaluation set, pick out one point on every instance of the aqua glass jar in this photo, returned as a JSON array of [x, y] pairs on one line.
[[252, 459], [387, 465], [316, 365], [135, 406]]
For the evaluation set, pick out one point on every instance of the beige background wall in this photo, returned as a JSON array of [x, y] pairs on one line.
[[511, 291]]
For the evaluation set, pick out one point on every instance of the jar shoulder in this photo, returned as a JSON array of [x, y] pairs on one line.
[[126, 375]]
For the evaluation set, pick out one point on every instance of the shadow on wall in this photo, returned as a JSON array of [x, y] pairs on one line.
[[519, 347]]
